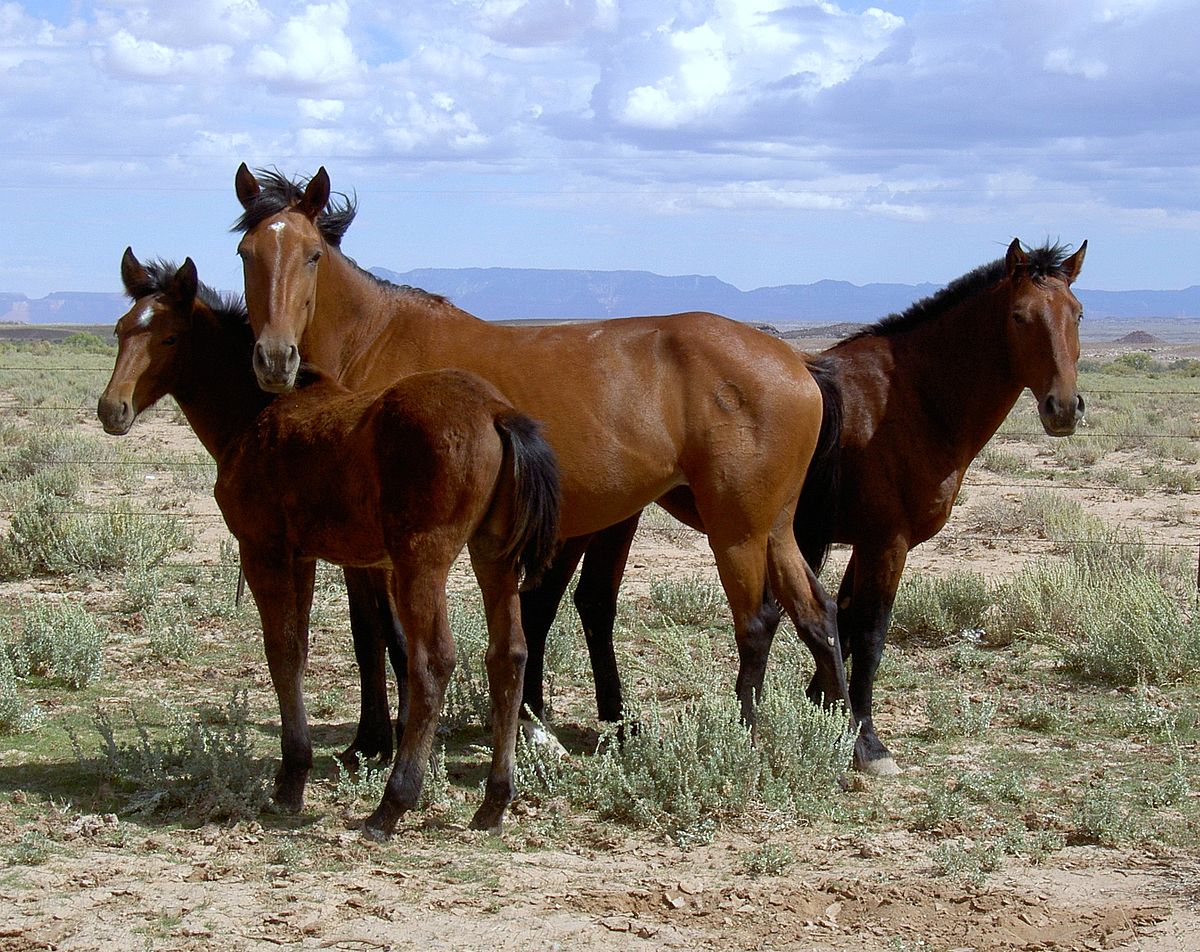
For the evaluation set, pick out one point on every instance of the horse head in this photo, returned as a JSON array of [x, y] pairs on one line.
[[281, 250], [1043, 331], [149, 336]]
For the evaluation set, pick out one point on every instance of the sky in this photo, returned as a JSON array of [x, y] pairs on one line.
[[765, 142]]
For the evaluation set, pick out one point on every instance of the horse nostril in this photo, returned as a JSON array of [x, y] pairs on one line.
[[293, 356], [1050, 405], [1079, 406]]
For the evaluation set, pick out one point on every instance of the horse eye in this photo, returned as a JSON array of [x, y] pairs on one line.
[[314, 257], [168, 341]]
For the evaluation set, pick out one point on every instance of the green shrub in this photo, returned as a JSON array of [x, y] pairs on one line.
[[955, 714], [47, 538], [1132, 630], [207, 770], [689, 601], [468, 702], [17, 715], [938, 608], [686, 770], [59, 640]]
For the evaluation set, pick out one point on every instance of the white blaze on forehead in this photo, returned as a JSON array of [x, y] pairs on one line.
[[144, 315], [277, 226]]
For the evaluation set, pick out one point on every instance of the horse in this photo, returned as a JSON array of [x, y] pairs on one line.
[[918, 395], [713, 419], [400, 479]]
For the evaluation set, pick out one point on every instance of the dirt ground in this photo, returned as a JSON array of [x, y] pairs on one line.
[[313, 883]]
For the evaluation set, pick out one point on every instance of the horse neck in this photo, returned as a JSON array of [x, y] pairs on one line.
[[358, 319], [217, 390], [956, 364]]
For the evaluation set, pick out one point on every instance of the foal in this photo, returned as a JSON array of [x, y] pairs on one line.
[[401, 478]]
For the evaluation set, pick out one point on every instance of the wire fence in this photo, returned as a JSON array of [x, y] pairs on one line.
[[1070, 481]]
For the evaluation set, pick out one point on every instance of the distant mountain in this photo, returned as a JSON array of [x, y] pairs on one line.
[[63, 307], [508, 293], [514, 293]]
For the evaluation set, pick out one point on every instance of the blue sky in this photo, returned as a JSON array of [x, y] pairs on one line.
[[762, 141]]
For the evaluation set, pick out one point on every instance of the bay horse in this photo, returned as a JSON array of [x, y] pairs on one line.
[[919, 394], [636, 409], [401, 478]]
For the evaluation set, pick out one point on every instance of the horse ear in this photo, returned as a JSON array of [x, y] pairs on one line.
[[185, 284], [1074, 264], [316, 195], [133, 275], [1015, 258], [246, 185]]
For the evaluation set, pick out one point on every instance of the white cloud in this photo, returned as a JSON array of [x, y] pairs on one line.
[[128, 56], [721, 65], [312, 50], [1070, 63], [322, 110]]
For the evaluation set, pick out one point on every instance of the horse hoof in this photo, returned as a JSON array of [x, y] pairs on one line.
[[487, 820], [880, 767], [373, 834]]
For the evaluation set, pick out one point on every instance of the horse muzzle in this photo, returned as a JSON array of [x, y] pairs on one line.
[[116, 416], [276, 367], [1061, 417]]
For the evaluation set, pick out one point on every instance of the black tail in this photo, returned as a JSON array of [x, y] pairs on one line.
[[816, 513], [536, 495]]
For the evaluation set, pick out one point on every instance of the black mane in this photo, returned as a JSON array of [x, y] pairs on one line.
[[159, 274], [278, 193], [1044, 262]]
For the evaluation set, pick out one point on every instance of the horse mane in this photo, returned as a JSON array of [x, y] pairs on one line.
[[278, 193], [1044, 262], [160, 273]]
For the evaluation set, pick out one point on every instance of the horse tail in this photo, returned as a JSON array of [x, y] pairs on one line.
[[536, 494], [816, 512]]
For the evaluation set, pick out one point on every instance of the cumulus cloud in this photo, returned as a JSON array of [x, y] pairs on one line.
[[311, 50], [128, 56]]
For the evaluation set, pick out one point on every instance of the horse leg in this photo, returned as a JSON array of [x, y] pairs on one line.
[[282, 589], [742, 567], [505, 666], [420, 598], [865, 611], [596, 601], [812, 611], [374, 628], [539, 605]]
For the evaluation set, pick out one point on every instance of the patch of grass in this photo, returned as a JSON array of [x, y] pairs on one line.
[[50, 538], [17, 715], [689, 601], [769, 859], [1101, 817], [59, 640], [937, 608], [205, 767], [1132, 631], [955, 713]]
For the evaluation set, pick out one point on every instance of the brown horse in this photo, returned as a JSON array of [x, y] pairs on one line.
[[401, 478], [919, 394], [635, 409]]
